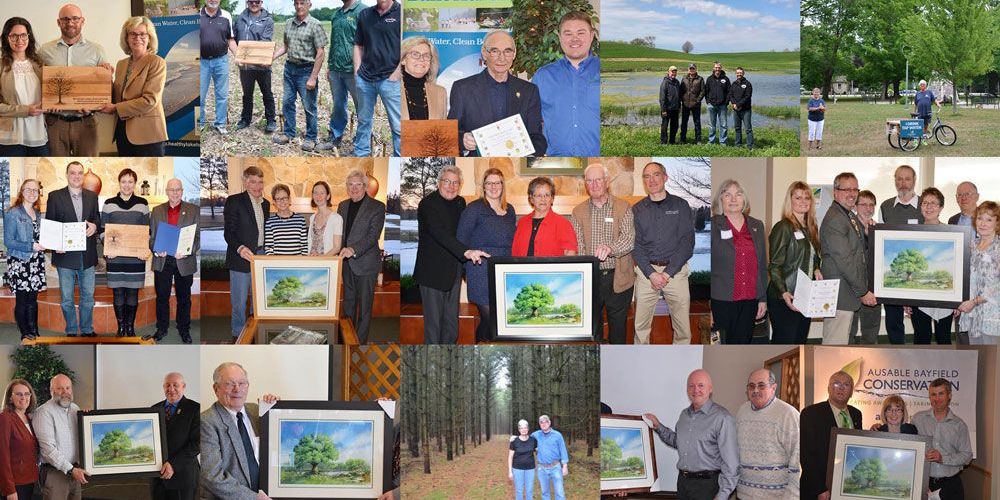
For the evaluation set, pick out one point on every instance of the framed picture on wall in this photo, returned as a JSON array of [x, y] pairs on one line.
[[326, 449], [296, 287], [542, 299], [920, 265], [872, 464], [123, 441], [628, 458]]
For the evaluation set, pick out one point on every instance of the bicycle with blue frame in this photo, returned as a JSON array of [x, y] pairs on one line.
[[910, 135]]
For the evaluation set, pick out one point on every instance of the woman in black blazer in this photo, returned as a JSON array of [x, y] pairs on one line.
[[894, 417], [739, 265]]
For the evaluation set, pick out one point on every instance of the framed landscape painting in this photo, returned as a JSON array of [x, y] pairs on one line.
[[628, 458], [126, 441], [542, 299], [920, 265], [296, 287], [321, 449], [877, 465]]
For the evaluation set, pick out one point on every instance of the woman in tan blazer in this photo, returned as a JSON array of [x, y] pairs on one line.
[[22, 126], [422, 98], [138, 92]]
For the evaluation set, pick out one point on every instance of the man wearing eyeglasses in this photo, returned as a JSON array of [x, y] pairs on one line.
[[255, 24], [495, 94], [815, 422], [175, 270], [967, 196], [343, 29], [305, 44], [768, 434], [230, 438], [842, 240], [903, 209], [376, 69], [72, 133]]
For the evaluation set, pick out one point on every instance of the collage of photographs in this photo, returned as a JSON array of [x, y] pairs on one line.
[[450, 242]]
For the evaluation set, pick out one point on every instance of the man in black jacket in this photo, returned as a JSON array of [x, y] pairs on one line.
[[244, 216], [692, 92], [670, 105], [179, 476], [75, 204], [438, 269], [716, 95], [740, 93], [815, 422]]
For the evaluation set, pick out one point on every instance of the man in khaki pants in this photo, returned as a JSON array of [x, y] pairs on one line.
[[664, 242]]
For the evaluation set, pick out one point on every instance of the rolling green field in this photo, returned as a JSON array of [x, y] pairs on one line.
[[622, 473], [623, 140], [138, 455], [624, 57]]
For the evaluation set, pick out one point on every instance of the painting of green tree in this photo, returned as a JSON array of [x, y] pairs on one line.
[[297, 288], [873, 472], [621, 453], [123, 443], [921, 265], [539, 299], [326, 453]]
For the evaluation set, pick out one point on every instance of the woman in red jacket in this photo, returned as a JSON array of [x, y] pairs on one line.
[[18, 446], [545, 233]]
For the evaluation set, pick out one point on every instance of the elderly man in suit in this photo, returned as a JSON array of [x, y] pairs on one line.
[[496, 94], [179, 476], [75, 204], [244, 216], [174, 270], [363, 218], [842, 240], [815, 423], [230, 439]]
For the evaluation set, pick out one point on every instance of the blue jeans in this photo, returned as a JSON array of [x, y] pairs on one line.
[[21, 151], [524, 484], [741, 120], [215, 69], [68, 278], [718, 114], [341, 84], [296, 76], [555, 475], [368, 93], [239, 290]]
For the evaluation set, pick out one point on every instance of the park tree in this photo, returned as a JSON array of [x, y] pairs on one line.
[[611, 453], [115, 443], [882, 47], [288, 289], [908, 262], [687, 47], [214, 177], [418, 177], [357, 465], [315, 450], [827, 30], [532, 298], [537, 26], [868, 472]]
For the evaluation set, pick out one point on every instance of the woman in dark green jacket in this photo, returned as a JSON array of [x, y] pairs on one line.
[[794, 246]]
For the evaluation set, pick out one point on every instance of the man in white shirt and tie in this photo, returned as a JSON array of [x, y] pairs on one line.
[[55, 428]]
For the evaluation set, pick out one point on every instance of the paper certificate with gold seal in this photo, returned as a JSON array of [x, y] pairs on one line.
[[63, 237], [816, 299], [507, 137]]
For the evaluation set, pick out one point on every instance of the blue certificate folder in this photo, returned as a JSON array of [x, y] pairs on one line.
[[167, 236]]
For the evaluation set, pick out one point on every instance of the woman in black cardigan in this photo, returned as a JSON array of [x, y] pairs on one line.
[[894, 417]]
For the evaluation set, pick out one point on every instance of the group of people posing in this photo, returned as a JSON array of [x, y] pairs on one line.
[[26, 129], [720, 93], [126, 275]]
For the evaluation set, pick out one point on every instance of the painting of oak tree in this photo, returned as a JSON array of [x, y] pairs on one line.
[[460, 406], [296, 288], [622, 453], [923, 265], [539, 299], [326, 452], [123, 443], [873, 472]]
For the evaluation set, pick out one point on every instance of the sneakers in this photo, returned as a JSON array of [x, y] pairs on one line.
[[281, 139], [221, 129], [242, 125], [308, 145], [270, 127]]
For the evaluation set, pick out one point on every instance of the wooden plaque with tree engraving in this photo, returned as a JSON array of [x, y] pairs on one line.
[[75, 87], [254, 52], [429, 138]]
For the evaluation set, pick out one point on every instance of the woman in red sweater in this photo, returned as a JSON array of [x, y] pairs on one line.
[[545, 233], [18, 446]]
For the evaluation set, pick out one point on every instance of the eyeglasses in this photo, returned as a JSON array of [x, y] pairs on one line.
[[283, 198], [894, 410], [760, 386], [495, 52], [14, 37], [417, 56], [929, 204], [136, 36], [31, 191], [22, 394], [232, 385], [543, 196], [595, 181], [841, 385], [71, 19], [355, 184], [175, 190], [849, 190], [449, 182]]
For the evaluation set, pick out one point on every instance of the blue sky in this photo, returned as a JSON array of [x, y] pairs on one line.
[[566, 288], [711, 25], [315, 280], [937, 253], [898, 463], [630, 440], [140, 431], [353, 438]]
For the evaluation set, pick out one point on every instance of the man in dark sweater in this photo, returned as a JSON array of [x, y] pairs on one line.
[[903, 209], [716, 94], [670, 105]]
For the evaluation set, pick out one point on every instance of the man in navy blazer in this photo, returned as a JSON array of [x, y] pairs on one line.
[[815, 423], [244, 216], [495, 94], [75, 204], [179, 476]]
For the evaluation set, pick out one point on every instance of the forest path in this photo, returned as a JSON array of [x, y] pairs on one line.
[[481, 474]]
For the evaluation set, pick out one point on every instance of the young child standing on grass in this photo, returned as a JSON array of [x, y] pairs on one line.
[[817, 115]]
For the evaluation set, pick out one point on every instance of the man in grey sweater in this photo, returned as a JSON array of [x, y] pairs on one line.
[[903, 209]]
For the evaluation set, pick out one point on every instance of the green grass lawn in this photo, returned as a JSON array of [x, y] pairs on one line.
[[623, 140], [303, 477], [858, 129], [618, 56]]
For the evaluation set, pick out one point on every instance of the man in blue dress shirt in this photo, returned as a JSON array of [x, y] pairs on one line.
[[570, 89], [553, 460]]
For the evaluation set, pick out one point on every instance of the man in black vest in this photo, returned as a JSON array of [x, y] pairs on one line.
[[903, 209], [179, 476], [244, 216]]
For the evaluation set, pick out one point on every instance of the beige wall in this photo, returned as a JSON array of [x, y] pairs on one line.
[[751, 173], [731, 365]]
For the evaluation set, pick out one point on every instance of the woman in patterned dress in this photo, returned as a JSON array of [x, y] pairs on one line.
[[326, 228], [126, 275], [981, 314], [25, 256]]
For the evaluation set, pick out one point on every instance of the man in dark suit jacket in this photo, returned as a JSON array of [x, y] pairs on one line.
[[179, 476], [244, 215], [440, 255], [816, 421], [364, 218], [174, 270], [495, 94], [75, 204]]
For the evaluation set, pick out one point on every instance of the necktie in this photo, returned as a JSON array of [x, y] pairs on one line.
[[251, 456], [171, 410], [845, 420]]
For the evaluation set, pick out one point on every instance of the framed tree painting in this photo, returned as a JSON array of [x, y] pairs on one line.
[[542, 299], [872, 464], [628, 458], [124, 441], [920, 265], [326, 449], [296, 287]]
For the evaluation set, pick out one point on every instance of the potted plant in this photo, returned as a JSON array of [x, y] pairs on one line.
[[38, 364]]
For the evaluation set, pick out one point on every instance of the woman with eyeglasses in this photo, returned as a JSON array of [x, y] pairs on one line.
[[545, 233], [126, 275], [18, 445], [894, 417], [424, 99], [925, 319], [25, 256], [22, 126], [137, 94], [284, 231]]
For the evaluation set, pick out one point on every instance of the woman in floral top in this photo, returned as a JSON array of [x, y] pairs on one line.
[[981, 313]]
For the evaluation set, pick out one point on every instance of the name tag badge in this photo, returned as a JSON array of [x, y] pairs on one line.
[[799, 235], [609, 219], [726, 234], [912, 221]]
